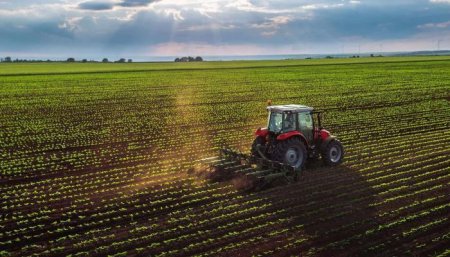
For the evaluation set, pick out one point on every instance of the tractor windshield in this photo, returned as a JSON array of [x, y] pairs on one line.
[[275, 122]]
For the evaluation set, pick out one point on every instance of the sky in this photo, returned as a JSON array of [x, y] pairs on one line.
[[103, 28]]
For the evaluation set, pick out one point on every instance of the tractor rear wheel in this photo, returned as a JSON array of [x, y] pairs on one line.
[[259, 140], [291, 152], [334, 153]]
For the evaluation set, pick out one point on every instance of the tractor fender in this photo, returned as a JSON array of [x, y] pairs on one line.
[[325, 143], [261, 132], [290, 134], [324, 134]]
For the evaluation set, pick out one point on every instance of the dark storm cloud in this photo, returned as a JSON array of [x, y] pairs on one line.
[[96, 6]]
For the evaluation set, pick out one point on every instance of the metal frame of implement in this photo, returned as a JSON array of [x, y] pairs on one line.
[[261, 170]]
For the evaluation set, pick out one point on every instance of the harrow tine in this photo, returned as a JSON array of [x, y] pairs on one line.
[[245, 171], [259, 173], [209, 159]]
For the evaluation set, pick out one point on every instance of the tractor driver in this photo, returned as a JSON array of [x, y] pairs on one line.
[[289, 122]]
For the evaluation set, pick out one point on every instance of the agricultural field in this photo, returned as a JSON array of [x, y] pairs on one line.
[[96, 159]]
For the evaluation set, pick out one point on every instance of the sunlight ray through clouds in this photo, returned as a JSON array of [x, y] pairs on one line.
[[57, 27]]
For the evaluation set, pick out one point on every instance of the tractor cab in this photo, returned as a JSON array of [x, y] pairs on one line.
[[293, 134], [288, 118]]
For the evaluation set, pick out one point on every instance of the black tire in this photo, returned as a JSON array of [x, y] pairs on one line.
[[259, 140], [291, 151], [334, 153]]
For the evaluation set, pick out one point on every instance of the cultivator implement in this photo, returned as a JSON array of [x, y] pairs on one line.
[[248, 172]]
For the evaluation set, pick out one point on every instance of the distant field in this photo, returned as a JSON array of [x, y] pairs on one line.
[[94, 159], [63, 67]]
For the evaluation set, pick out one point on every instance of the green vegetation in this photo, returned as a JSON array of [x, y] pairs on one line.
[[63, 67], [94, 158]]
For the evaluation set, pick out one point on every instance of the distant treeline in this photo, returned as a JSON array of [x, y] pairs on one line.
[[70, 59], [189, 59]]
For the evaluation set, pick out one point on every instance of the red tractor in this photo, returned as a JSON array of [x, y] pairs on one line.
[[295, 134]]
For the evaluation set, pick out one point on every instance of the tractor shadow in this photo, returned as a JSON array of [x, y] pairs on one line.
[[327, 204]]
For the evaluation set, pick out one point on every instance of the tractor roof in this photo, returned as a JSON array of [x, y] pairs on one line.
[[289, 108]]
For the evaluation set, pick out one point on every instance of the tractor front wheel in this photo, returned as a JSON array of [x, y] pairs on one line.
[[291, 152], [334, 153]]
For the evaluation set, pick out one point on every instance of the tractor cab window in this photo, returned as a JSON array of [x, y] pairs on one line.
[[275, 122], [306, 125], [289, 122], [282, 122]]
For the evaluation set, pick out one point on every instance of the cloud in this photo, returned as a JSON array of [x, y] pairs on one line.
[[136, 3], [174, 13], [175, 49], [318, 6], [440, 1], [268, 33], [96, 6], [440, 25], [71, 23], [104, 6], [135, 26], [285, 7], [212, 26], [271, 25]]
